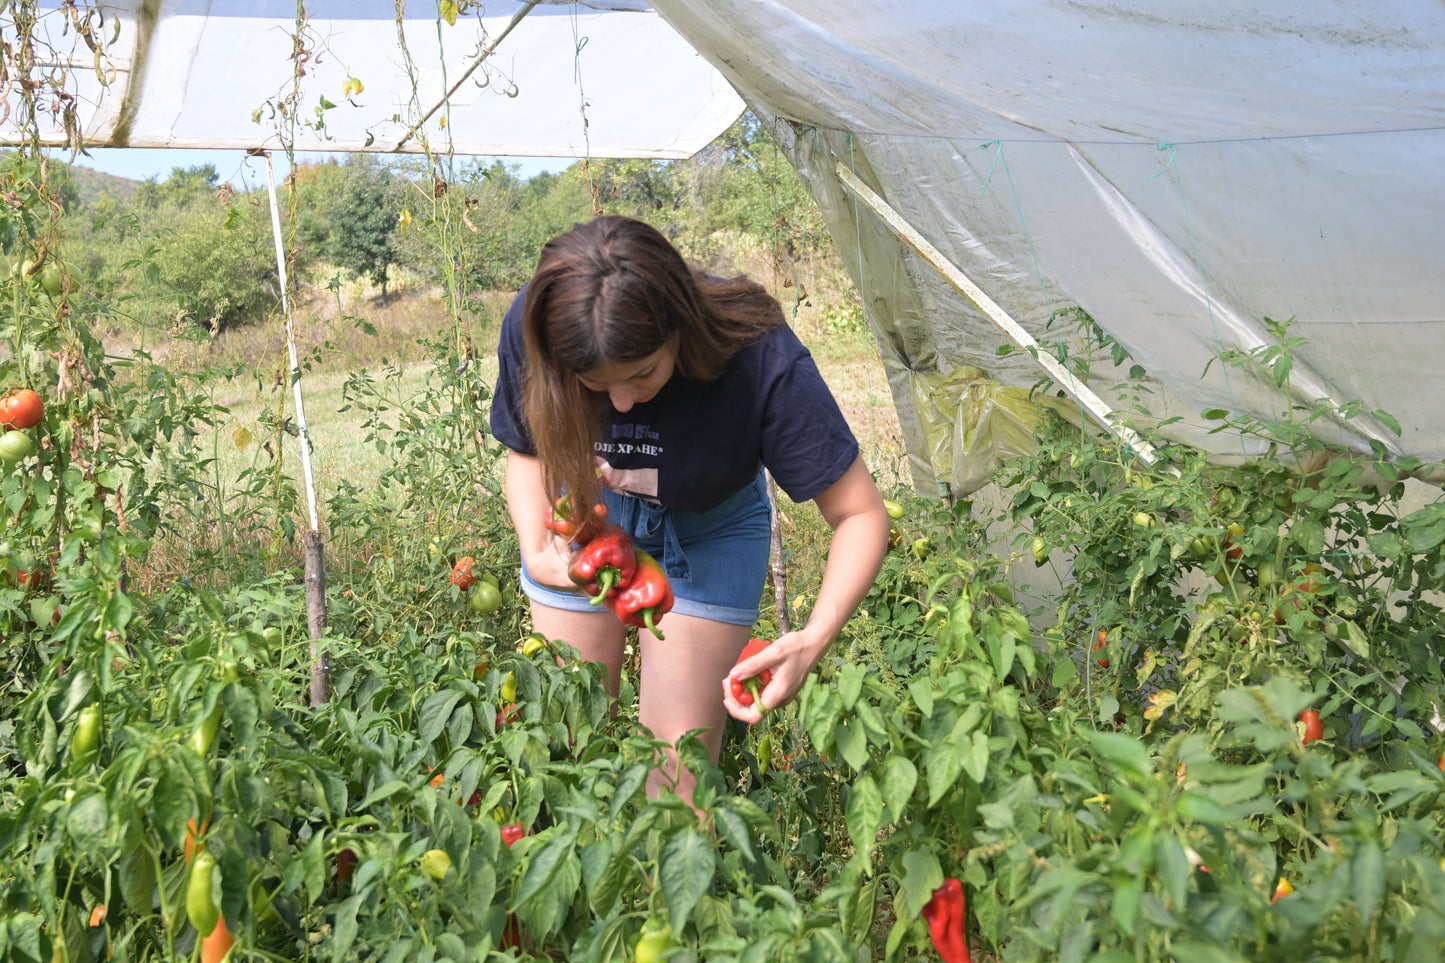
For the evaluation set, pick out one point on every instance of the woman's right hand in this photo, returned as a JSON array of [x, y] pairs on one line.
[[547, 563], [545, 553]]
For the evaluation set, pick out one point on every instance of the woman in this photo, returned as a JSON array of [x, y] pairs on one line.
[[629, 379]]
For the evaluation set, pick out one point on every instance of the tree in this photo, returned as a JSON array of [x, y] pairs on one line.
[[364, 233], [319, 189]]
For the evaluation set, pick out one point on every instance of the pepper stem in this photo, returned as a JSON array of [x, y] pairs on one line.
[[606, 581], [647, 614]]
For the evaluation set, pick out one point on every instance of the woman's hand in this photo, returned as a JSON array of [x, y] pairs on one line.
[[853, 508], [544, 552], [547, 564], [790, 659]]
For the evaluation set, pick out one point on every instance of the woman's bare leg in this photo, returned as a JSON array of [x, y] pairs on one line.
[[681, 688]]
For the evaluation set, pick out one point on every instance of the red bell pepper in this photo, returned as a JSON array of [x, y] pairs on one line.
[[945, 916], [749, 689], [646, 598], [562, 520], [605, 565]]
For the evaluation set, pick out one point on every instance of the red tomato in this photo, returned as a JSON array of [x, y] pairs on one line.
[[1299, 595], [1102, 643], [1230, 548], [1314, 730], [462, 576], [21, 409]]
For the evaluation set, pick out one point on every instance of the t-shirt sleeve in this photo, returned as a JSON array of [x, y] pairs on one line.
[[508, 425], [807, 444]]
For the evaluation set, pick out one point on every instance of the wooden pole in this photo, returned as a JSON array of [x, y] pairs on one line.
[[313, 548], [778, 570]]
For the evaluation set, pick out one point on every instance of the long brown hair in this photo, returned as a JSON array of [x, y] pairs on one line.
[[615, 290]]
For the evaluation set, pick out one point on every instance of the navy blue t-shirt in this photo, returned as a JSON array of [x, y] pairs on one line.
[[695, 443]]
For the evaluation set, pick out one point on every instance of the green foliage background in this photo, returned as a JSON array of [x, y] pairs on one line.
[[1115, 771]]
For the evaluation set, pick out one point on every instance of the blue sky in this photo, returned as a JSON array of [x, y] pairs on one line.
[[142, 163]]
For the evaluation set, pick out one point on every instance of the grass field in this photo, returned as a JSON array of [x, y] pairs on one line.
[[850, 364]]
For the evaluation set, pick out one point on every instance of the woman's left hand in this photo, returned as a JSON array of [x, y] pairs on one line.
[[790, 659], [853, 508]]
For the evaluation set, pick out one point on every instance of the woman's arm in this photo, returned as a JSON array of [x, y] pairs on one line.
[[853, 507], [544, 551]]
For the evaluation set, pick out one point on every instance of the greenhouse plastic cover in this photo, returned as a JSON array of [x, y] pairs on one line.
[[606, 79], [1178, 171]]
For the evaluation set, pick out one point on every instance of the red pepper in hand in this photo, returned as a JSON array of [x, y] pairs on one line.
[[750, 689], [561, 519], [605, 565], [945, 916], [646, 598]]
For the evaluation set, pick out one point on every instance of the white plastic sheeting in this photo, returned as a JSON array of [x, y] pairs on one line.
[[1179, 171], [609, 79]]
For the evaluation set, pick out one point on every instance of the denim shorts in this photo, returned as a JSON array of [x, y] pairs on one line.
[[717, 560]]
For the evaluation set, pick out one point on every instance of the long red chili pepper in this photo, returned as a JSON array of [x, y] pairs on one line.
[[512, 931], [945, 916], [605, 565], [646, 598], [749, 689]]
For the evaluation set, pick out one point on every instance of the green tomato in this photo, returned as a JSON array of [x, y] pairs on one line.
[[484, 598], [50, 278], [1040, 548], [436, 862], [15, 445]]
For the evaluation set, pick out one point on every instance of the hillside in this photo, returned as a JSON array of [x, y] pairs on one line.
[[91, 185]]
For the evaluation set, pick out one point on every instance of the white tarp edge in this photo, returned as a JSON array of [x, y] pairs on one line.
[[567, 81]]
